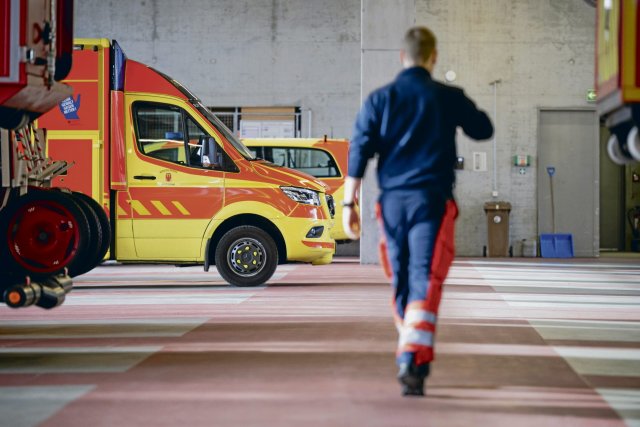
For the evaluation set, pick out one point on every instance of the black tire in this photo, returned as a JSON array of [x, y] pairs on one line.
[[246, 256], [88, 259], [4, 266], [13, 119], [105, 225], [42, 233]]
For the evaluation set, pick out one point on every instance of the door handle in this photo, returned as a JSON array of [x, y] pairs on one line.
[[150, 177]]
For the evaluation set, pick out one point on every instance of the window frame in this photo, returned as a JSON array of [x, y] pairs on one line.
[[184, 116], [261, 149]]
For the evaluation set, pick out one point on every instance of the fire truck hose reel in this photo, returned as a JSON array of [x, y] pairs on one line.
[[633, 143]]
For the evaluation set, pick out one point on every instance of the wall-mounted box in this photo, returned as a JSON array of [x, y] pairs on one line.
[[479, 161]]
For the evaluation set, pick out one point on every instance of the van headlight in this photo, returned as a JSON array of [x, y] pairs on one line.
[[302, 195]]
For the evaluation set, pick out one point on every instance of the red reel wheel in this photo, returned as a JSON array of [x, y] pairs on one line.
[[44, 231]]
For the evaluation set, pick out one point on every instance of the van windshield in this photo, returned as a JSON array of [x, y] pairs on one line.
[[215, 122]]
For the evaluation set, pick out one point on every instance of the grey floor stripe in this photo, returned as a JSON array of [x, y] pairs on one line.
[[29, 406]]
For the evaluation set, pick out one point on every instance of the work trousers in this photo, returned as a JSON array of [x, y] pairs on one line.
[[416, 250]]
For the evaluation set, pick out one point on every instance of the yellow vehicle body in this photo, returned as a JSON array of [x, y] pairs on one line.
[[618, 76], [174, 180], [618, 63], [324, 159]]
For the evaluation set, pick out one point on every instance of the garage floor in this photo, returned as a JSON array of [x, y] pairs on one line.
[[520, 343]]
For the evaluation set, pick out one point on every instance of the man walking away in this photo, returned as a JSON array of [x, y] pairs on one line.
[[410, 124]]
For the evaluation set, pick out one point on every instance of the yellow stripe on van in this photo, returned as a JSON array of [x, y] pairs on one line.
[[181, 208], [121, 212], [163, 210], [139, 208]]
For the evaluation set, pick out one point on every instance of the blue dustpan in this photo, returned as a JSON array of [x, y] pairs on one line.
[[556, 245]]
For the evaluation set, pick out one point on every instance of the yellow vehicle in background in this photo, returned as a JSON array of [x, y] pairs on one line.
[[618, 76], [324, 159], [177, 185]]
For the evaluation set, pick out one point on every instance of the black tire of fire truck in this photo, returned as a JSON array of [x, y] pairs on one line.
[[105, 230], [13, 119], [28, 249], [246, 256], [88, 259]]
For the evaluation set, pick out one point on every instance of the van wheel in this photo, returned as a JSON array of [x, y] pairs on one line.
[[246, 256]]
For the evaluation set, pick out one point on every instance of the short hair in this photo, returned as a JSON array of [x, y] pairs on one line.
[[419, 43]]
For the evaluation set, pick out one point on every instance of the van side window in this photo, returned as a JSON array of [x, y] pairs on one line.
[[160, 132], [317, 163], [168, 133]]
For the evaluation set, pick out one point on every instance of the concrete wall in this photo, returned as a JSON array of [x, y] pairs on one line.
[[543, 51], [245, 52], [383, 23], [308, 53]]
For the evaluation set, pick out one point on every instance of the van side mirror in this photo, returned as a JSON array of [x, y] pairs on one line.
[[209, 153], [211, 156]]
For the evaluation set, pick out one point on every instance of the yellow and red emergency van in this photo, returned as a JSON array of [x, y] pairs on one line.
[[324, 159], [178, 185]]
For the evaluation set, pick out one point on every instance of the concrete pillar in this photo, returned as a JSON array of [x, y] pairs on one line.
[[384, 23]]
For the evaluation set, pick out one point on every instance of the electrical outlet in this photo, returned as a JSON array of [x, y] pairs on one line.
[[479, 161]]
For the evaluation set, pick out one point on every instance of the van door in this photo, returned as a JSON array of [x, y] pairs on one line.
[[175, 182]]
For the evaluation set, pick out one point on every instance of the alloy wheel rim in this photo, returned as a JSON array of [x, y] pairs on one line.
[[247, 257]]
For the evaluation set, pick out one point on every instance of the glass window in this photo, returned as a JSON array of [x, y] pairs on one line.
[[204, 150], [258, 152], [196, 138], [314, 162], [160, 132]]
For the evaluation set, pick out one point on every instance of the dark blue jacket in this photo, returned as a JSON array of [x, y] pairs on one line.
[[411, 124]]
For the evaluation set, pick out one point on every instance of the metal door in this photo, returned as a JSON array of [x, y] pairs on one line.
[[568, 141]]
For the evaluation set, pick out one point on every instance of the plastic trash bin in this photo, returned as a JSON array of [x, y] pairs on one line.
[[497, 229]]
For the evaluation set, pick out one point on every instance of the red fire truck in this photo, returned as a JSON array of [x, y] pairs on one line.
[[43, 232]]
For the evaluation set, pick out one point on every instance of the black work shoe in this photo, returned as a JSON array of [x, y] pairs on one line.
[[411, 377], [413, 391]]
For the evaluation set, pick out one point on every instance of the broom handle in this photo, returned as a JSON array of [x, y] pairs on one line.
[[553, 210]]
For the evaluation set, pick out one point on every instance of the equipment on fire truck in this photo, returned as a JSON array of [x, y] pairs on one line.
[[618, 76], [43, 233], [633, 216], [46, 293]]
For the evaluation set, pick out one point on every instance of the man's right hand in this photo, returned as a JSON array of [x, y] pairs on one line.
[[350, 218], [351, 222]]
